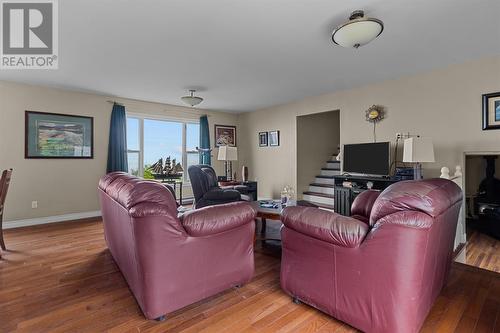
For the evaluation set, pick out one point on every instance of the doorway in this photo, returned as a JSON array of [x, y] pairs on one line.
[[318, 142], [482, 211]]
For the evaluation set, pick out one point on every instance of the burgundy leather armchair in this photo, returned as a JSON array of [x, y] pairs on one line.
[[170, 262], [380, 270]]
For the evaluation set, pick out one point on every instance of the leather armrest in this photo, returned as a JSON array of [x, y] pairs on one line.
[[216, 219], [326, 226], [218, 194], [362, 206]]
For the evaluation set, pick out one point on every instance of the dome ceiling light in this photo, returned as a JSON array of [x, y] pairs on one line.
[[192, 100], [358, 31]]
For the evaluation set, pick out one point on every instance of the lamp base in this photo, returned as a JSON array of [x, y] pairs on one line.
[[228, 167], [417, 171]]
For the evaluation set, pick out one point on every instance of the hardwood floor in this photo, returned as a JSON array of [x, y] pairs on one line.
[[482, 251], [61, 278]]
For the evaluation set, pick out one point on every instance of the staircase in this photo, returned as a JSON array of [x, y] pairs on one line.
[[321, 192]]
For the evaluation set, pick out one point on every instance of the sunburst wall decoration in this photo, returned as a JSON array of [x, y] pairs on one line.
[[374, 115]]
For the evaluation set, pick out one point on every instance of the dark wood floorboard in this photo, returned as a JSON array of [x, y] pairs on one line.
[[482, 251], [61, 278]]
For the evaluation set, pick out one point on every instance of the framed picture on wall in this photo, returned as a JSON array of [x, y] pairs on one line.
[[225, 135], [54, 135], [263, 142], [491, 111], [274, 138]]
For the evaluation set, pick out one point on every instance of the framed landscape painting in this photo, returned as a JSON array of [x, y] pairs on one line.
[[53, 135], [491, 111], [225, 135]]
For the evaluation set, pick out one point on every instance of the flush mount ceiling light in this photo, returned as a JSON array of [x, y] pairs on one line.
[[358, 31], [192, 100]]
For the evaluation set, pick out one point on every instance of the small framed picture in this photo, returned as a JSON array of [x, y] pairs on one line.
[[263, 142], [491, 111], [225, 135], [274, 138]]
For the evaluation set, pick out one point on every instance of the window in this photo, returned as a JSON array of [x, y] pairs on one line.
[[148, 140], [192, 141], [133, 147]]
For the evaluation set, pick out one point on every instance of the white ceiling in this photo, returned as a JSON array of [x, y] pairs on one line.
[[246, 55]]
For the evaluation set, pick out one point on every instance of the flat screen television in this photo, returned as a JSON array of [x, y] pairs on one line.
[[367, 158]]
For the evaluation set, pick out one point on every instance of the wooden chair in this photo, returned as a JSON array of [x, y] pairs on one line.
[[4, 186]]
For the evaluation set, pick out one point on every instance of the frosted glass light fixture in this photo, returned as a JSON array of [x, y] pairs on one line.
[[192, 100], [358, 31]]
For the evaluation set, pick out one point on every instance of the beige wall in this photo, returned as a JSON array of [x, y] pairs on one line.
[[272, 167], [318, 137], [67, 186], [443, 104]]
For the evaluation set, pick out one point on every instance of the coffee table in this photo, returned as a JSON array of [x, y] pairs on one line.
[[273, 214], [264, 214]]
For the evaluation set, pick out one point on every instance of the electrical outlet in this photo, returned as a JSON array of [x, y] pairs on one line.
[[34, 204], [402, 136]]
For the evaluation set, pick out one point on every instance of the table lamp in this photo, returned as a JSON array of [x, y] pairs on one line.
[[228, 154], [418, 150]]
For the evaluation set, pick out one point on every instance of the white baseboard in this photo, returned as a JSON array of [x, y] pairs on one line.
[[49, 219]]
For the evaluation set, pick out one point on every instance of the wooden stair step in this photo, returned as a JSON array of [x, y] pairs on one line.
[[322, 205], [322, 185], [331, 196], [330, 169], [328, 177]]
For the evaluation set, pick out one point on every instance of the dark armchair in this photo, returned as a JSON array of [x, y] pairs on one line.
[[206, 189]]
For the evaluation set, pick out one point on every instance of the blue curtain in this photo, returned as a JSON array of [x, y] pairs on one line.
[[205, 157], [117, 149]]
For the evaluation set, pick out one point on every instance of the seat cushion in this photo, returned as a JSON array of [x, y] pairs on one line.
[[326, 226]]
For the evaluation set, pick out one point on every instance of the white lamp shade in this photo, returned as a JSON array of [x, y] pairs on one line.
[[227, 153], [418, 150], [358, 33]]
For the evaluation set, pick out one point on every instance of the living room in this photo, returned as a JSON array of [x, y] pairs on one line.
[[278, 110]]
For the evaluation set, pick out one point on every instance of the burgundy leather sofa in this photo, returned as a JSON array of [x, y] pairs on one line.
[[170, 262], [380, 270]]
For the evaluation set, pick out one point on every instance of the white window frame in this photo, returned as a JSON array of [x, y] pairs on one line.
[[184, 122], [141, 145]]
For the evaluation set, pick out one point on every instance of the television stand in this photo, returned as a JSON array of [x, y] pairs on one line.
[[348, 187]]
